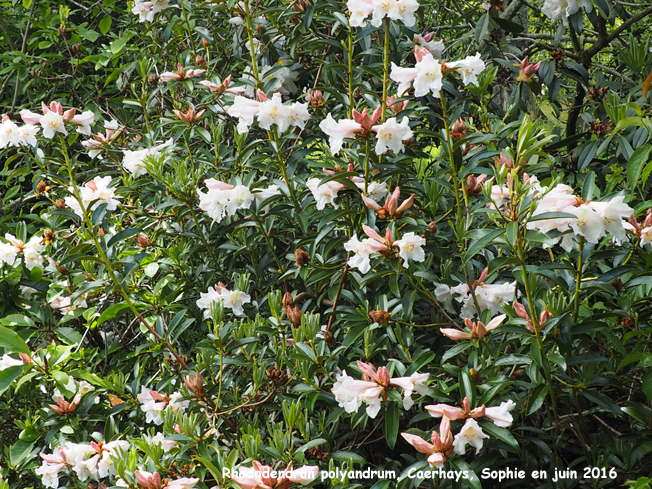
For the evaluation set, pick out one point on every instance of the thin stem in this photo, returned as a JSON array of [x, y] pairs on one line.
[[252, 47], [107, 263], [578, 279], [537, 333], [385, 70], [366, 166], [281, 164], [350, 53], [185, 18], [449, 145]]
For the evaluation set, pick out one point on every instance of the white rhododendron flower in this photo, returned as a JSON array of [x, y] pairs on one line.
[[404, 77], [84, 121], [402, 10], [134, 161], [391, 134], [325, 193], [9, 133], [557, 10], [52, 123], [470, 67], [147, 10], [350, 393], [27, 134], [97, 191], [490, 297], [284, 77], [362, 251], [9, 251], [501, 415], [646, 237], [472, 434], [233, 300], [414, 383], [337, 131], [436, 48], [8, 361], [245, 110], [411, 248]]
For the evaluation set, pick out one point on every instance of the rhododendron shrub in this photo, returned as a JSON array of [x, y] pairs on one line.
[[246, 244]]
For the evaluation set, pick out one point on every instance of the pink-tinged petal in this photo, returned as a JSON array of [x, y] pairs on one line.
[[519, 309], [30, 117], [419, 443], [304, 475], [495, 322], [455, 334], [451, 412], [437, 460], [169, 76], [372, 234], [372, 204], [367, 369]]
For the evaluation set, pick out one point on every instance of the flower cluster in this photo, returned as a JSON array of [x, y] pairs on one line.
[[147, 10], [402, 10], [557, 10], [477, 330], [223, 199], [31, 251], [11, 134], [100, 142], [427, 76], [154, 403], [487, 296], [268, 112], [87, 461], [97, 191], [390, 135], [351, 393], [410, 247], [231, 299], [134, 161], [326, 193], [443, 443], [54, 119], [593, 220]]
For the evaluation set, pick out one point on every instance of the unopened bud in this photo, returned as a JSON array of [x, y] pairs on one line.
[[63, 270], [315, 98], [199, 61], [458, 130], [287, 300], [475, 376], [432, 225], [302, 256], [27, 360], [143, 241], [294, 316], [383, 376], [380, 317], [41, 187], [59, 204], [205, 43]]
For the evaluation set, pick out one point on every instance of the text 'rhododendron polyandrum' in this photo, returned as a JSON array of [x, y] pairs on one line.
[[260, 245]]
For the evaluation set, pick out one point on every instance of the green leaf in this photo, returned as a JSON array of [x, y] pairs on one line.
[[456, 350], [647, 385], [481, 243], [307, 351], [8, 375], [536, 398], [482, 28], [20, 450], [514, 360], [471, 480], [311, 444], [552, 215], [636, 164], [122, 235], [391, 424], [501, 433], [603, 401], [27, 3], [88, 34], [12, 342], [105, 25], [512, 232], [467, 389], [117, 45], [116, 310], [345, 456], [215, 472]]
